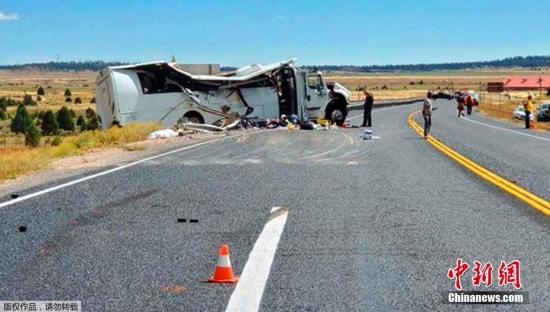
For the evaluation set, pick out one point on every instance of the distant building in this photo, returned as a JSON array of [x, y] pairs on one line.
[[527, 82]]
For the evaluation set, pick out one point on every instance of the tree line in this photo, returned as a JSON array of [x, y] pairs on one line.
[[51, 123], [531, 62], [63, 66], [518, 61]]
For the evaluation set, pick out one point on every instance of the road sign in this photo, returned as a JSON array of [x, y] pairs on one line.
[[495, 87]]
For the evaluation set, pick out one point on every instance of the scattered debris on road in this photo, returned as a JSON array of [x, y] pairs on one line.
[[161, 134]]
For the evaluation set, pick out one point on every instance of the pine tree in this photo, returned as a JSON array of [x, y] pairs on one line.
[[92, 101], [64, 119], [68, 100], [50, 126], [21, 120], [77, 100], [68, 92], [32, 137], [40, 91]]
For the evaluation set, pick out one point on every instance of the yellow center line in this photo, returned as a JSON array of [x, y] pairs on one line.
[[510, 187]]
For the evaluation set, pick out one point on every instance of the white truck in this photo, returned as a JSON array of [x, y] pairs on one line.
[[171, 93]]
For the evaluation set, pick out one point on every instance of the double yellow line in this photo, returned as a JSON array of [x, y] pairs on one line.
[[521, 193]]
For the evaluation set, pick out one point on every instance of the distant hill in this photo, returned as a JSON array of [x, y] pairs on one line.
[[511, 62]]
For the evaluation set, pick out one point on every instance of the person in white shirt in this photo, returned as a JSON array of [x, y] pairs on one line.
[[427, 114]]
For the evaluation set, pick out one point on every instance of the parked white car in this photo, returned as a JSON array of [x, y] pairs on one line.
[[519, 113]]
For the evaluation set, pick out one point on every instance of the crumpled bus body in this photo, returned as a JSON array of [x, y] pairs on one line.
[[171, 93]]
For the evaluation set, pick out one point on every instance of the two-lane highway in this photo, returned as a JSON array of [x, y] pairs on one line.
[[372, 225]]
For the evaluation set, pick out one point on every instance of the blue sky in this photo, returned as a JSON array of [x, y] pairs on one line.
[[242, 32]]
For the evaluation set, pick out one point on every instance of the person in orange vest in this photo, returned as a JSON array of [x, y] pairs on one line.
[[528, 106]]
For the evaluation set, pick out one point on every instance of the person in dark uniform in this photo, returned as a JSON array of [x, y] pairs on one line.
[[367, 112]]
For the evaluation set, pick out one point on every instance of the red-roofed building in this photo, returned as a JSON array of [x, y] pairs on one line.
[[527, 82]]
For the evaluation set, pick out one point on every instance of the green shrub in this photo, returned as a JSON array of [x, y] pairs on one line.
[[32, 137], [77, 100], [93, 122], [89, 112], [64, 119], [68, 92], [68, 100], [40, 91], [50, 126], [28, 101], [21, 121], [80, 120]]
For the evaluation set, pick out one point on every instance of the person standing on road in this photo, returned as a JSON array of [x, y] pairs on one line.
[[460, 107], [469, 104], [528, 106], [367, 109], [427, 114]]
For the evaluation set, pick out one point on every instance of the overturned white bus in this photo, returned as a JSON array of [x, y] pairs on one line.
[[166, 92]]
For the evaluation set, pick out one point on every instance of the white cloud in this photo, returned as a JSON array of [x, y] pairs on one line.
[[8, 17]]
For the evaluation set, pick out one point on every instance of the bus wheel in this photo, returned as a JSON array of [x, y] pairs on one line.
[[336, 114]]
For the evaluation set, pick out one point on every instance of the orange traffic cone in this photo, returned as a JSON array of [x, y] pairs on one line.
[[224, 271]]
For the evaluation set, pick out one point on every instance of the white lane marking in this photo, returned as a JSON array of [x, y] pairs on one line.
[[247, 296], [60, 186], [509, 130]]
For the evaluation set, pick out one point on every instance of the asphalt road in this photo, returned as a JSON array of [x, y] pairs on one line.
[[372, 225]]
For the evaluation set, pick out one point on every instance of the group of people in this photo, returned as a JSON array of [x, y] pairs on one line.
[[465, 101], [426, 111]]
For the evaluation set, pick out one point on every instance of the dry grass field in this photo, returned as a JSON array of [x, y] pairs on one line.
[[18, 159], [409, 85], [15, 84], [21, 159]]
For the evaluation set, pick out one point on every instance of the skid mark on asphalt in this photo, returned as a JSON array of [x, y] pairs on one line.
[[88, 218], [250, 288]]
